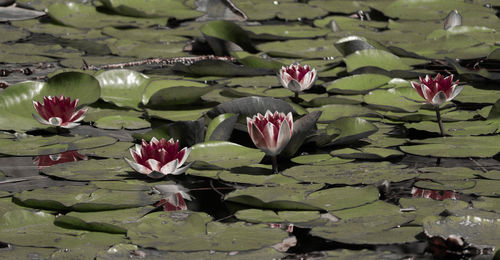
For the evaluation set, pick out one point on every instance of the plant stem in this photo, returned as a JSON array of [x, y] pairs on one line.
[[275, 163], [440, 121], [297, 95]]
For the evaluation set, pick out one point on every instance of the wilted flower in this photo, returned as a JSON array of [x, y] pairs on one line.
[[270, 132], [297, 78], [48, 160], [59, 111], [438, 90], [159, 158], [173, 197], [434, 194]]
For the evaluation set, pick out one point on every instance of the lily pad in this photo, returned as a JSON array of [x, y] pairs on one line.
[[91, 170], [283, 197], [351, 173], [122, 87], [394, 99], [225, 154], [195, 232], [357, 84], [372, 230], [154, 8], [374, 58], [368, 153], [83, 198], [343, 197], [221, 127], [347, 130], [177, 115], [461, 147], [462, 128], [424, 207], [336, 111], [86, 16]]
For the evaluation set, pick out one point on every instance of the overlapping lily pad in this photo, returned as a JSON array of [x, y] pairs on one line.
[[190, 231], [91, 170]]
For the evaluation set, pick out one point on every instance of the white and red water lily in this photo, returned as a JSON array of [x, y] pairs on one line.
[[159, 158], [438, 90], [271, 132], [297, 78], [48, 160], [59, 111]]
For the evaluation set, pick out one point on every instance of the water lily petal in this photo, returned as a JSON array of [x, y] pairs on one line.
[[41, 120], [439, 98], [153, 164], [170, 167], [456, 90], [138, 167], [294, 86], [79, 115], [182, 169]]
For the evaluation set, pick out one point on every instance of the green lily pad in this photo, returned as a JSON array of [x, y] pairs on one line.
[[219, 68], [90, 170], [170, 97], [228, 31], [368, 153], [343, 197], [176, 85], [268, 216], [430, 10], [394, 99], [225, 154], [347, 130], [264, 81], [122, 87], [357, 84], [424, 207], [118, 122], [83, 198], [487, 203], [374, 58], [27, 252], [264, 10], [474, 95], [86, 16], [492, 175], [318, 159], [457, 146], [195, 232], [10, 53], [177, 115], [462, 128], [476, 232], [372, 230], [114, 222], [221, 127], [283, 197], [16, 102], [11, 34], [152, 8], [346, 254], [255, 179], [448, 185], [144, 50], [116, 150], [376, 208], [351, 173], [143, 34], [303, 48], [448, 174], [485, 188], [37, 145], [336, 111]]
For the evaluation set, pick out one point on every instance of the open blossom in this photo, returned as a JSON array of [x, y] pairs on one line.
[[159, 158], [48, 160], [271, 132], [438, 90], [297, 78], [58, 111]]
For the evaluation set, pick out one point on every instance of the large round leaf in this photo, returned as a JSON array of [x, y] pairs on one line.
[[123, 87], [374, 58], [225, 154], [459, 146]]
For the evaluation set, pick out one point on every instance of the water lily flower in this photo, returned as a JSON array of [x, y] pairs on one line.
[[437, 91], [59, 111], [159, 158], [48, 160], [297, 78], [271, 132]]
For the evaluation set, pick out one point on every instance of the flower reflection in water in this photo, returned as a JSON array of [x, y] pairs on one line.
[[48, 160]]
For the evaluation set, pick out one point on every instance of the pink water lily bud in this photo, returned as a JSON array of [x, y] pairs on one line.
[[159, 158], [438, 90], [297, 78], [58, 111], [271, 132]]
